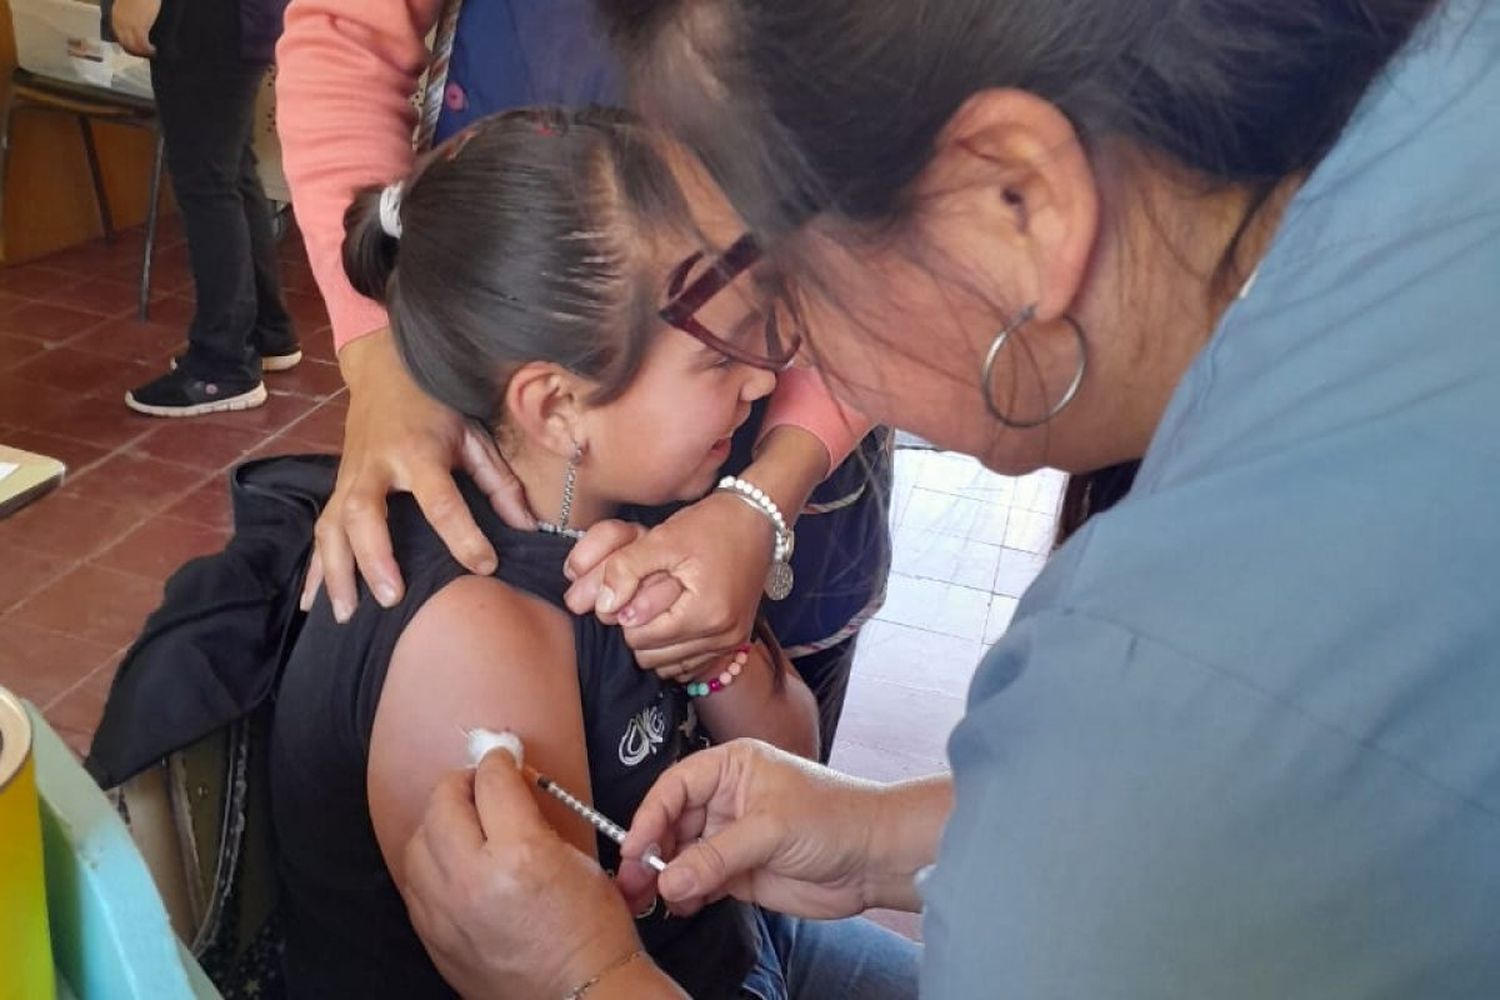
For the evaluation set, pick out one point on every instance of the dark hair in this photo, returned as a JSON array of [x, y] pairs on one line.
[[804, 107], [1092, 493], [518, 245]]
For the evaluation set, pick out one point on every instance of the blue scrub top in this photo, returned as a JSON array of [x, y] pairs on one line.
[[1243, 738]]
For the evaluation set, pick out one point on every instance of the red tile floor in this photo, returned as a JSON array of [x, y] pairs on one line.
[[81, 568]]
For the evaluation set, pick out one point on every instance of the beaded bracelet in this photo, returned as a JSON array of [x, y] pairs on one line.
[[779, 576], [702, 689]]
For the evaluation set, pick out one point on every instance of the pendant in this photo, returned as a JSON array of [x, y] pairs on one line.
[[779, 581]]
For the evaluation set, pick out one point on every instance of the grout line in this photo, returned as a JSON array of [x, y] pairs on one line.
[[103, 664], [841, 741], [935, 692], [93, 555]]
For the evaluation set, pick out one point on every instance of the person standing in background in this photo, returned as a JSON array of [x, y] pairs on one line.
[[208, 60]]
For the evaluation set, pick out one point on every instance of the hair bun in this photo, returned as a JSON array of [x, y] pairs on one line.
[[370, 247]]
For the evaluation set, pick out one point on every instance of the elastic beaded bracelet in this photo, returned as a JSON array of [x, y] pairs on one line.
[[702, 689]]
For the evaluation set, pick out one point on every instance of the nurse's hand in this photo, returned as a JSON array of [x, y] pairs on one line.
[[505, 907], [761, 825], [396, 438]]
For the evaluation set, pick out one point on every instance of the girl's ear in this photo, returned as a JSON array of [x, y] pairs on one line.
[[546, 404]]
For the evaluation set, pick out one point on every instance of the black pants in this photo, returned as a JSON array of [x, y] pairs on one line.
[[827, 674], [207, 115]]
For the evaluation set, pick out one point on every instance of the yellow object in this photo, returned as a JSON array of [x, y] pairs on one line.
[[25, 946]]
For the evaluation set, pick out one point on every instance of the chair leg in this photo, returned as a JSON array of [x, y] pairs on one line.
[[153, 212], [10, 110], [100, 195]]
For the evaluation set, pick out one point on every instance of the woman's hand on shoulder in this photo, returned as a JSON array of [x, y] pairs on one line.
[[398, 439]]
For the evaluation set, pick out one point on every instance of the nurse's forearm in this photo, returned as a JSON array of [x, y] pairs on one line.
[[904, 840]]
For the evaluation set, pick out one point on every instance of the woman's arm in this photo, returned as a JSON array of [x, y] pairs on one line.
[[478, 654], [804, 401], [345, 76], [759, 705]]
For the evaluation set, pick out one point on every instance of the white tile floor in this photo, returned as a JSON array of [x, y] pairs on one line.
[[968, 542]]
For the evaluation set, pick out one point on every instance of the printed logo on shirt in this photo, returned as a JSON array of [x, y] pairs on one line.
[[644, 734]]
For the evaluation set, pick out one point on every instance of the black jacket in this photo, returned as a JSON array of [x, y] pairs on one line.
[[211, 654]]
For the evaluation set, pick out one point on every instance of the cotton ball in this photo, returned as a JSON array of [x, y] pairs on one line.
[[482, 741]]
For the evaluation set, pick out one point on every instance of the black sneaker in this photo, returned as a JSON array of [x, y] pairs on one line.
[[280, 362], [285, 361], [178, 394], [278, 354]]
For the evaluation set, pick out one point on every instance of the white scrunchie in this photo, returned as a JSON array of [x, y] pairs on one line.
[[390, 210]]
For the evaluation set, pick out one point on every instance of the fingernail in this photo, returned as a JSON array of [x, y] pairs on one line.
[[607, 600], [628, 617], [386, 595], [342, 612], [678, 883]]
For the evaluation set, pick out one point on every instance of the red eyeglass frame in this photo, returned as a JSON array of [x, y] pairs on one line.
[[683, 304]]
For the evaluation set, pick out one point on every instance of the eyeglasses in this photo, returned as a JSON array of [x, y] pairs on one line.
[[779, 324]]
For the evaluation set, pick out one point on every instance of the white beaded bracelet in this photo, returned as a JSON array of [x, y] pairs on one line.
[[779, 576]]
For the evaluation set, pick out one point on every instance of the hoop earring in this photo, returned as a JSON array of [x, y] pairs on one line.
[[987, 373]]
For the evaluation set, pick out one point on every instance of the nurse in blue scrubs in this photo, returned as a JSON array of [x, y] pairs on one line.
[[1241, 739]]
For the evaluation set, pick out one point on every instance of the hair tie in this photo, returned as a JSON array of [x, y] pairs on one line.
[[390, 210]]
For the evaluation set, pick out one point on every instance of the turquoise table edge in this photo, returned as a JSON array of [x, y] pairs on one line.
[[110, 934]]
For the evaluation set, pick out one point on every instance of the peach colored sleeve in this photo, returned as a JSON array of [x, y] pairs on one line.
[[346, 72], [803, 399]]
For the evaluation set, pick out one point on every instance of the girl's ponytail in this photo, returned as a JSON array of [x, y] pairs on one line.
[[369, 250]]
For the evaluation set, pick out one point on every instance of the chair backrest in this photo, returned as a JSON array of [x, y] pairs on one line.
[[201, 819]]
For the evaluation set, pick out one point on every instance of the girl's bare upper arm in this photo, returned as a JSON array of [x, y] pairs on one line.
[[478, 654]]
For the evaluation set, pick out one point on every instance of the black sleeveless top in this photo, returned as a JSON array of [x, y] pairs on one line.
[[347, 930]]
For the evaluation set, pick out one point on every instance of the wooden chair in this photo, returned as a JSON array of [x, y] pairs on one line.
[[33, 92]]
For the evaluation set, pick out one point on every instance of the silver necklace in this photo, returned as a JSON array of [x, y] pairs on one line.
[[549, 528]]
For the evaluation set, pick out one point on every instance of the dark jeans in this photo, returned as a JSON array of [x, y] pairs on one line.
[[827, 674], [207, 115]]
